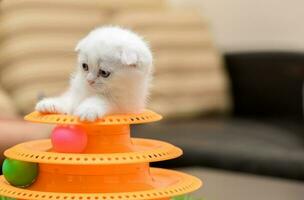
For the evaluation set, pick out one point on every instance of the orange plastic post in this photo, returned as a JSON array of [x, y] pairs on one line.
[[94, 178], [108, 139]]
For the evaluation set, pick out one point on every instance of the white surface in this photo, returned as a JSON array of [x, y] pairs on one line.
[[252, 24], [223, 185]]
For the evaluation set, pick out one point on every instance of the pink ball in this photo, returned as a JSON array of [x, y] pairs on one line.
[[69, 139]]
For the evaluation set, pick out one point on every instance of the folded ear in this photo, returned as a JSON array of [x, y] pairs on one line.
[[129, 57]]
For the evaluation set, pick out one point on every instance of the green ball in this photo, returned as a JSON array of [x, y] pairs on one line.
[[6, 198], [19, 173]]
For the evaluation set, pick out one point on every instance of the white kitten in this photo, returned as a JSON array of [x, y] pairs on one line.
[[113, 75]]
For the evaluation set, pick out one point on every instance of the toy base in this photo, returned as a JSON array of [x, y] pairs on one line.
[[171, 183]]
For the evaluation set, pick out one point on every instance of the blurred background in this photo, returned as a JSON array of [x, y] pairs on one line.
[[228, 79]]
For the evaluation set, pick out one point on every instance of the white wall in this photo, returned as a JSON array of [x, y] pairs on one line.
[[240, 25]]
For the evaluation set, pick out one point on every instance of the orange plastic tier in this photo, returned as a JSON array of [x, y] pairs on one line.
[[144, 117], [162, 184], [103, 140], [144, 150], [102, 137]]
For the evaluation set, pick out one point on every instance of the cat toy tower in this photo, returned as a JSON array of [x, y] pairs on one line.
[[92, 161]]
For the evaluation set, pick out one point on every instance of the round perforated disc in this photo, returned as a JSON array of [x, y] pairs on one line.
[[145, 117], [182, 184], [145, 150]]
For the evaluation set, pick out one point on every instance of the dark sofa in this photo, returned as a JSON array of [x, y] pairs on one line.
[[265, 133]]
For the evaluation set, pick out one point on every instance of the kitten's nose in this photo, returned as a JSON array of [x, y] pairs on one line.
[[91, 82]]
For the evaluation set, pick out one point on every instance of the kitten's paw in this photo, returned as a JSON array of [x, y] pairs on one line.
[[89, 113], [51, 105]]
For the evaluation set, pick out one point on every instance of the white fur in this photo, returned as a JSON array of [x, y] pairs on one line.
[[113, 49]]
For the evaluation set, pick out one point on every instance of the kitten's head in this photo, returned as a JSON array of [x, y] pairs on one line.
[[113, 58]]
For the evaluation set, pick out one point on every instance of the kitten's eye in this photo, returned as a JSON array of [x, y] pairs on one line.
[[103, 73], [85, 67]]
